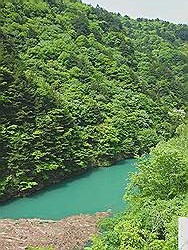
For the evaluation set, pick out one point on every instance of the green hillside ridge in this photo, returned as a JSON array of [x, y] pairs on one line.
[[81, 87]]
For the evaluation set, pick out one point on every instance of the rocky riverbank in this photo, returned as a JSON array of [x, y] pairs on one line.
[[67, 234]]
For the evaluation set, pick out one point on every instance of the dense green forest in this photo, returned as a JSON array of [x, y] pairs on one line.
[[157, 195], [81, 87]]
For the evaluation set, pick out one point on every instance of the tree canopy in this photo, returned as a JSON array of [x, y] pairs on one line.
[[157, 196], [81, 87]]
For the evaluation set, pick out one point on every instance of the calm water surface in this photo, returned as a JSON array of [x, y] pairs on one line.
[[99, 190]]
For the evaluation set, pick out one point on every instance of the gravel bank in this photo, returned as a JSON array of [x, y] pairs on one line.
[[67, 234]]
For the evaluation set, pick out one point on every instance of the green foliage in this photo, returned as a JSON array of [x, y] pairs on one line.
[[157, 196], [81, 87]]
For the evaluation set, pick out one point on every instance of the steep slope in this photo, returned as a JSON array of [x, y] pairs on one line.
[[82, 87]]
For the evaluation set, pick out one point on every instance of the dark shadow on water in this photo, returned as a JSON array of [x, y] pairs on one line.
[[66, 182], [55, 186]]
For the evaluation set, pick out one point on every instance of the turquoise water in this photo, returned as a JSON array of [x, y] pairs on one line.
[[99, 190]]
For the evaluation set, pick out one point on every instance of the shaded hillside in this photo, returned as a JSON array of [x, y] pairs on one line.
[[82, 87]]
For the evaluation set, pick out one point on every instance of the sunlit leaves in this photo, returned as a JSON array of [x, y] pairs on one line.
[[82, 87]]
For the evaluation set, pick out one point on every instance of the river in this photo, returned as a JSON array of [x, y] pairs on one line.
[[97, 191]]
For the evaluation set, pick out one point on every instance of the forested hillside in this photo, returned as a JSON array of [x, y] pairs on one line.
[[157, 195], [81, 87]]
